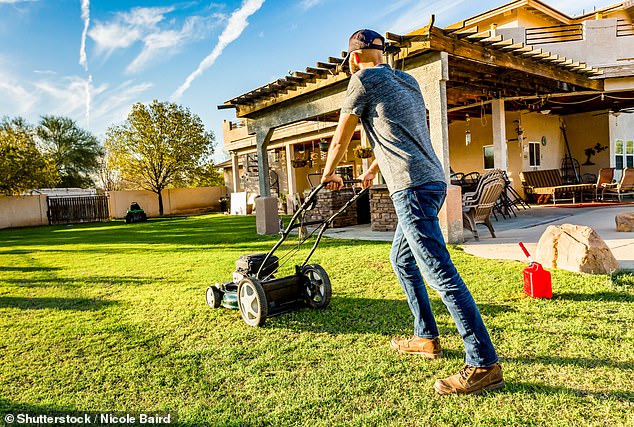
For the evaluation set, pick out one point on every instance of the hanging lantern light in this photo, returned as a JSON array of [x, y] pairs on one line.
[[467, 136]]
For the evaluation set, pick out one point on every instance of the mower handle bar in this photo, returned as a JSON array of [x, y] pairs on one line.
[[311, 200]]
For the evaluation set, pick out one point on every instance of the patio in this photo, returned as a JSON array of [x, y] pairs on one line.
[[528, 227]]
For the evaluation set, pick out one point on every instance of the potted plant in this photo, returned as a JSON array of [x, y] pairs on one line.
[[323, 145], [362, 152]]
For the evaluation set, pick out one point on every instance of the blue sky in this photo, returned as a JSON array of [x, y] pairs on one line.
[[92, 59]]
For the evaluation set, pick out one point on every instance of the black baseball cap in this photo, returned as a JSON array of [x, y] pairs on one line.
[[363, 39]]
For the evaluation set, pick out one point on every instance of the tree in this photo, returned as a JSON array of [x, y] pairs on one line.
[[159, 144], [205, 175], [74, 151], [22, 165]]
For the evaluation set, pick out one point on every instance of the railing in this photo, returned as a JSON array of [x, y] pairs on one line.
[[70, 210], [554, 34], [238, 124], [624, 28]]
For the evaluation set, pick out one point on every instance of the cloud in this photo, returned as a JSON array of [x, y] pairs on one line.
[[14, 96], [235, 26], [418, 13], [111, 106], [308, 4], [167, 43], [127, 28], [92, 107], [15, 1], [85, 16]]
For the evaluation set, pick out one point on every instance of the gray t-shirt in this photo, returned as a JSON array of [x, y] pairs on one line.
[[391, 108]]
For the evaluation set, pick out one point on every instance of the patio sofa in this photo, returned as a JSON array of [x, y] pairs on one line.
[[543, 185]]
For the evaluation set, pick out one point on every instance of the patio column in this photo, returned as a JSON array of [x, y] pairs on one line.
[[266, 215], [499, 134], [235, 167], [291, 178], [432, 75]]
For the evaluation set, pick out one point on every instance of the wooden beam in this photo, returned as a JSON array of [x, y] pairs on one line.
[[467, 33], [333, 60], [318, 72], [326, 65], [532, 52], [499, 58], [491, 40], [522, 50], [503, 43], [514, 46], [479, 36]]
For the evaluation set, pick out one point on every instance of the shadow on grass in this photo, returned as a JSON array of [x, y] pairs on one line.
[[623, 279], [363, 315], [538, 388], [79, 281], [596, 296], [580, 362], [28, 269], [78, 304]]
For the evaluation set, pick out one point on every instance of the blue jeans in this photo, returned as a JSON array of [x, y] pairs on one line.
[[418, 240]]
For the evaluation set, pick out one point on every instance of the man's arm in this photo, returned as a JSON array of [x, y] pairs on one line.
[[368, 176], [338, 148]]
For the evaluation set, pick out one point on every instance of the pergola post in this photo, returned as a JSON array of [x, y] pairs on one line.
[[266, 215], [432, 76], [291, 178], [235, 178], [500, 155]]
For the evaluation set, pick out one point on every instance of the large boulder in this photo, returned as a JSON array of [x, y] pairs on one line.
[[575, 248], [625, 221]]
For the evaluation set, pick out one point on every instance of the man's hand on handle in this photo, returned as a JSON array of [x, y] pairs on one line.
[[333, 182], [367, 178]]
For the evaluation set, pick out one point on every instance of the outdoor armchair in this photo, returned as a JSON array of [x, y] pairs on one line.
[[477, 209], [624, 187], [606, 175]]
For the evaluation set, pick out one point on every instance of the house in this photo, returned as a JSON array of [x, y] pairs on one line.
[[519, 87]]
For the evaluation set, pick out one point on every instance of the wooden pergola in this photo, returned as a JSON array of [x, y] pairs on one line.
[[458, 69]]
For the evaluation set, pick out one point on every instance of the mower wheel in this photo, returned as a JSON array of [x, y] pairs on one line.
[[213, 297], [252, 301], [318, 289]]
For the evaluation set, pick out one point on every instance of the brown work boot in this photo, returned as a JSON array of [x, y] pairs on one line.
[[428, 347], [471, 380]]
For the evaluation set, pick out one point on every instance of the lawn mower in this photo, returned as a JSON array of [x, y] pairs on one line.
[[135, 214], [254, 289]]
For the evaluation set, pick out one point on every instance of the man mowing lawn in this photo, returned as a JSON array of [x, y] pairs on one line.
[[391, 108]]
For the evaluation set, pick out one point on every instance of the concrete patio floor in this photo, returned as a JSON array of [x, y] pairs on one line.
[[528, 227]]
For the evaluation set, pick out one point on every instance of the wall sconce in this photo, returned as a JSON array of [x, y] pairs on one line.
[[467, 135]]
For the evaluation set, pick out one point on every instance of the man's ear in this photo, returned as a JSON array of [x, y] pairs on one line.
[[356, 57]]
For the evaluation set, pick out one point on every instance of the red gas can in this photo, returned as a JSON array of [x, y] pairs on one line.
[[537, 282]]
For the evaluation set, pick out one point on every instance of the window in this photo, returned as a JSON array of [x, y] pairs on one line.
[[534, 154], [623, 154], [489, 162]]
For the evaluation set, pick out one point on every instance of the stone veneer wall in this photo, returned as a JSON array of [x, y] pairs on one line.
[[329, 202], [382, 209]]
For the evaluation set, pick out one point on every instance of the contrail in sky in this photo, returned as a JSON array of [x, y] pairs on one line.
[[85, 16], [88, 100], [237, 23]]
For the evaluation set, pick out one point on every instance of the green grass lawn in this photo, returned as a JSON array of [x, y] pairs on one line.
[[112, 317]]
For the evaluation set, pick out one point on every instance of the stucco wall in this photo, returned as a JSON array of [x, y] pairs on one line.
[[592, 49], [621, 127], [23, 211], [583, 131], [175, 200]]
